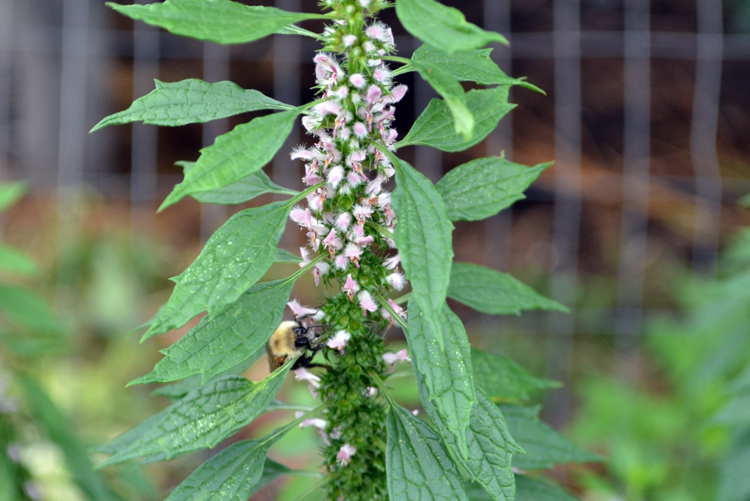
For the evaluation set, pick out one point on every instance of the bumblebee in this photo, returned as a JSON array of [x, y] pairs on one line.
[[292, 339]]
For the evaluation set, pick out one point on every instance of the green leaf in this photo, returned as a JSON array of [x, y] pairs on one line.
[[235, 155], [225, 339], [247, 188], [495, 293], [453, 94], [191, 101], [284, 256], [205, 417], [443, 27], [483, 187], [531, 489], [469, 66], [220, 21], [419, 467], [544, 446], [423, 238], [505, 380], [445, 372], [435, 126], [234, 258], [10, 193], [15, 261], [734, 482], [27, 310]]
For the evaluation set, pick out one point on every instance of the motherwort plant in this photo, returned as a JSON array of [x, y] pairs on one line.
[[365, 247]]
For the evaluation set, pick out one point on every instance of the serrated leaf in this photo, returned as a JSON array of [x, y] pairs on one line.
[[453, 94], [10, 193], [251, 186], [445, 372], [202, 419], [495, 293], [220, 21], [235, 155], [469, 66], [544, 446], [15, 261], [418, 466], [443, 27], [225, 339], [191, 101], [423, 238], [505, 380], [435, 126], [483, 187], [234, 258], [531, 489]]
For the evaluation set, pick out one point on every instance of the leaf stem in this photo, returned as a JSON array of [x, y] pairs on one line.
[[384, 303]]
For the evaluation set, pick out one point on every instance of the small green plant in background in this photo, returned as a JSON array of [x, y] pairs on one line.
[[366, 247]]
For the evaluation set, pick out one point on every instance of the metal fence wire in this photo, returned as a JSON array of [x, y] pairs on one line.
[[646, 116]]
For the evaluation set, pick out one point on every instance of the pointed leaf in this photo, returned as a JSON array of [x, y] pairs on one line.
[[191, 101], [495, 293], [435, 126], [443, 27], [220, 21], [226, 339], [450, 89], [423, 238], [444, 371], [483, 187], [251, 186], [418, 465], [10, 193], [531, 489], [235, 155], [205, 417], [15, 261], [469, 66], [544, 446], [505, 380], [284, 256], [234, 258]]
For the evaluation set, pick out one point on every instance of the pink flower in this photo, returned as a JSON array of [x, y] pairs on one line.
[[350, 287], [366, 302], [341, 262], [313, 381], [343, 221], [373, 94], [345, 454], [349, 40], [392, 358], [360, 130], [392, 261], [300, 310], [335, 175], [321, 269], [332, 241], [318, 423], [396, 280], [301, 217], [398, 92], [353, 252], [339, 341], [357, 80]]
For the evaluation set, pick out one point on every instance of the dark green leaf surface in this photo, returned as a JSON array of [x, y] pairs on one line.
[[235, 155], [531, 489], [495, 293], [435, 126], [10, 193], [423, 238], [444, 371], [443, 27], [251, 186], [418, 465], [227, 338], [469, 66], [234, 258], [15, 261], [544, 446], [505, 380], [191, 101], [202, 419], [450, 89], [220, 21], [483, 187]]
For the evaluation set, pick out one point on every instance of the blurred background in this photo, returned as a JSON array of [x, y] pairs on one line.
[[637, 228]]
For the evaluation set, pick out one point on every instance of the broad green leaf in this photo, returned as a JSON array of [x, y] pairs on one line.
[[284, 256], [445, 372], [15, 261], [419, 467], [220, 21], [733, 413], [235, 155], [27, 310], [734, 482], [202, 419], [247, 188], [443, 27], [450, 89], [505, 380], [483, 187], [234, 258], [423, 238], [531, 489], [435, 126], [544, 446], [60, 432], [227, 338], [469, 66], [495, 293], [191, 101], [10, 193]]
